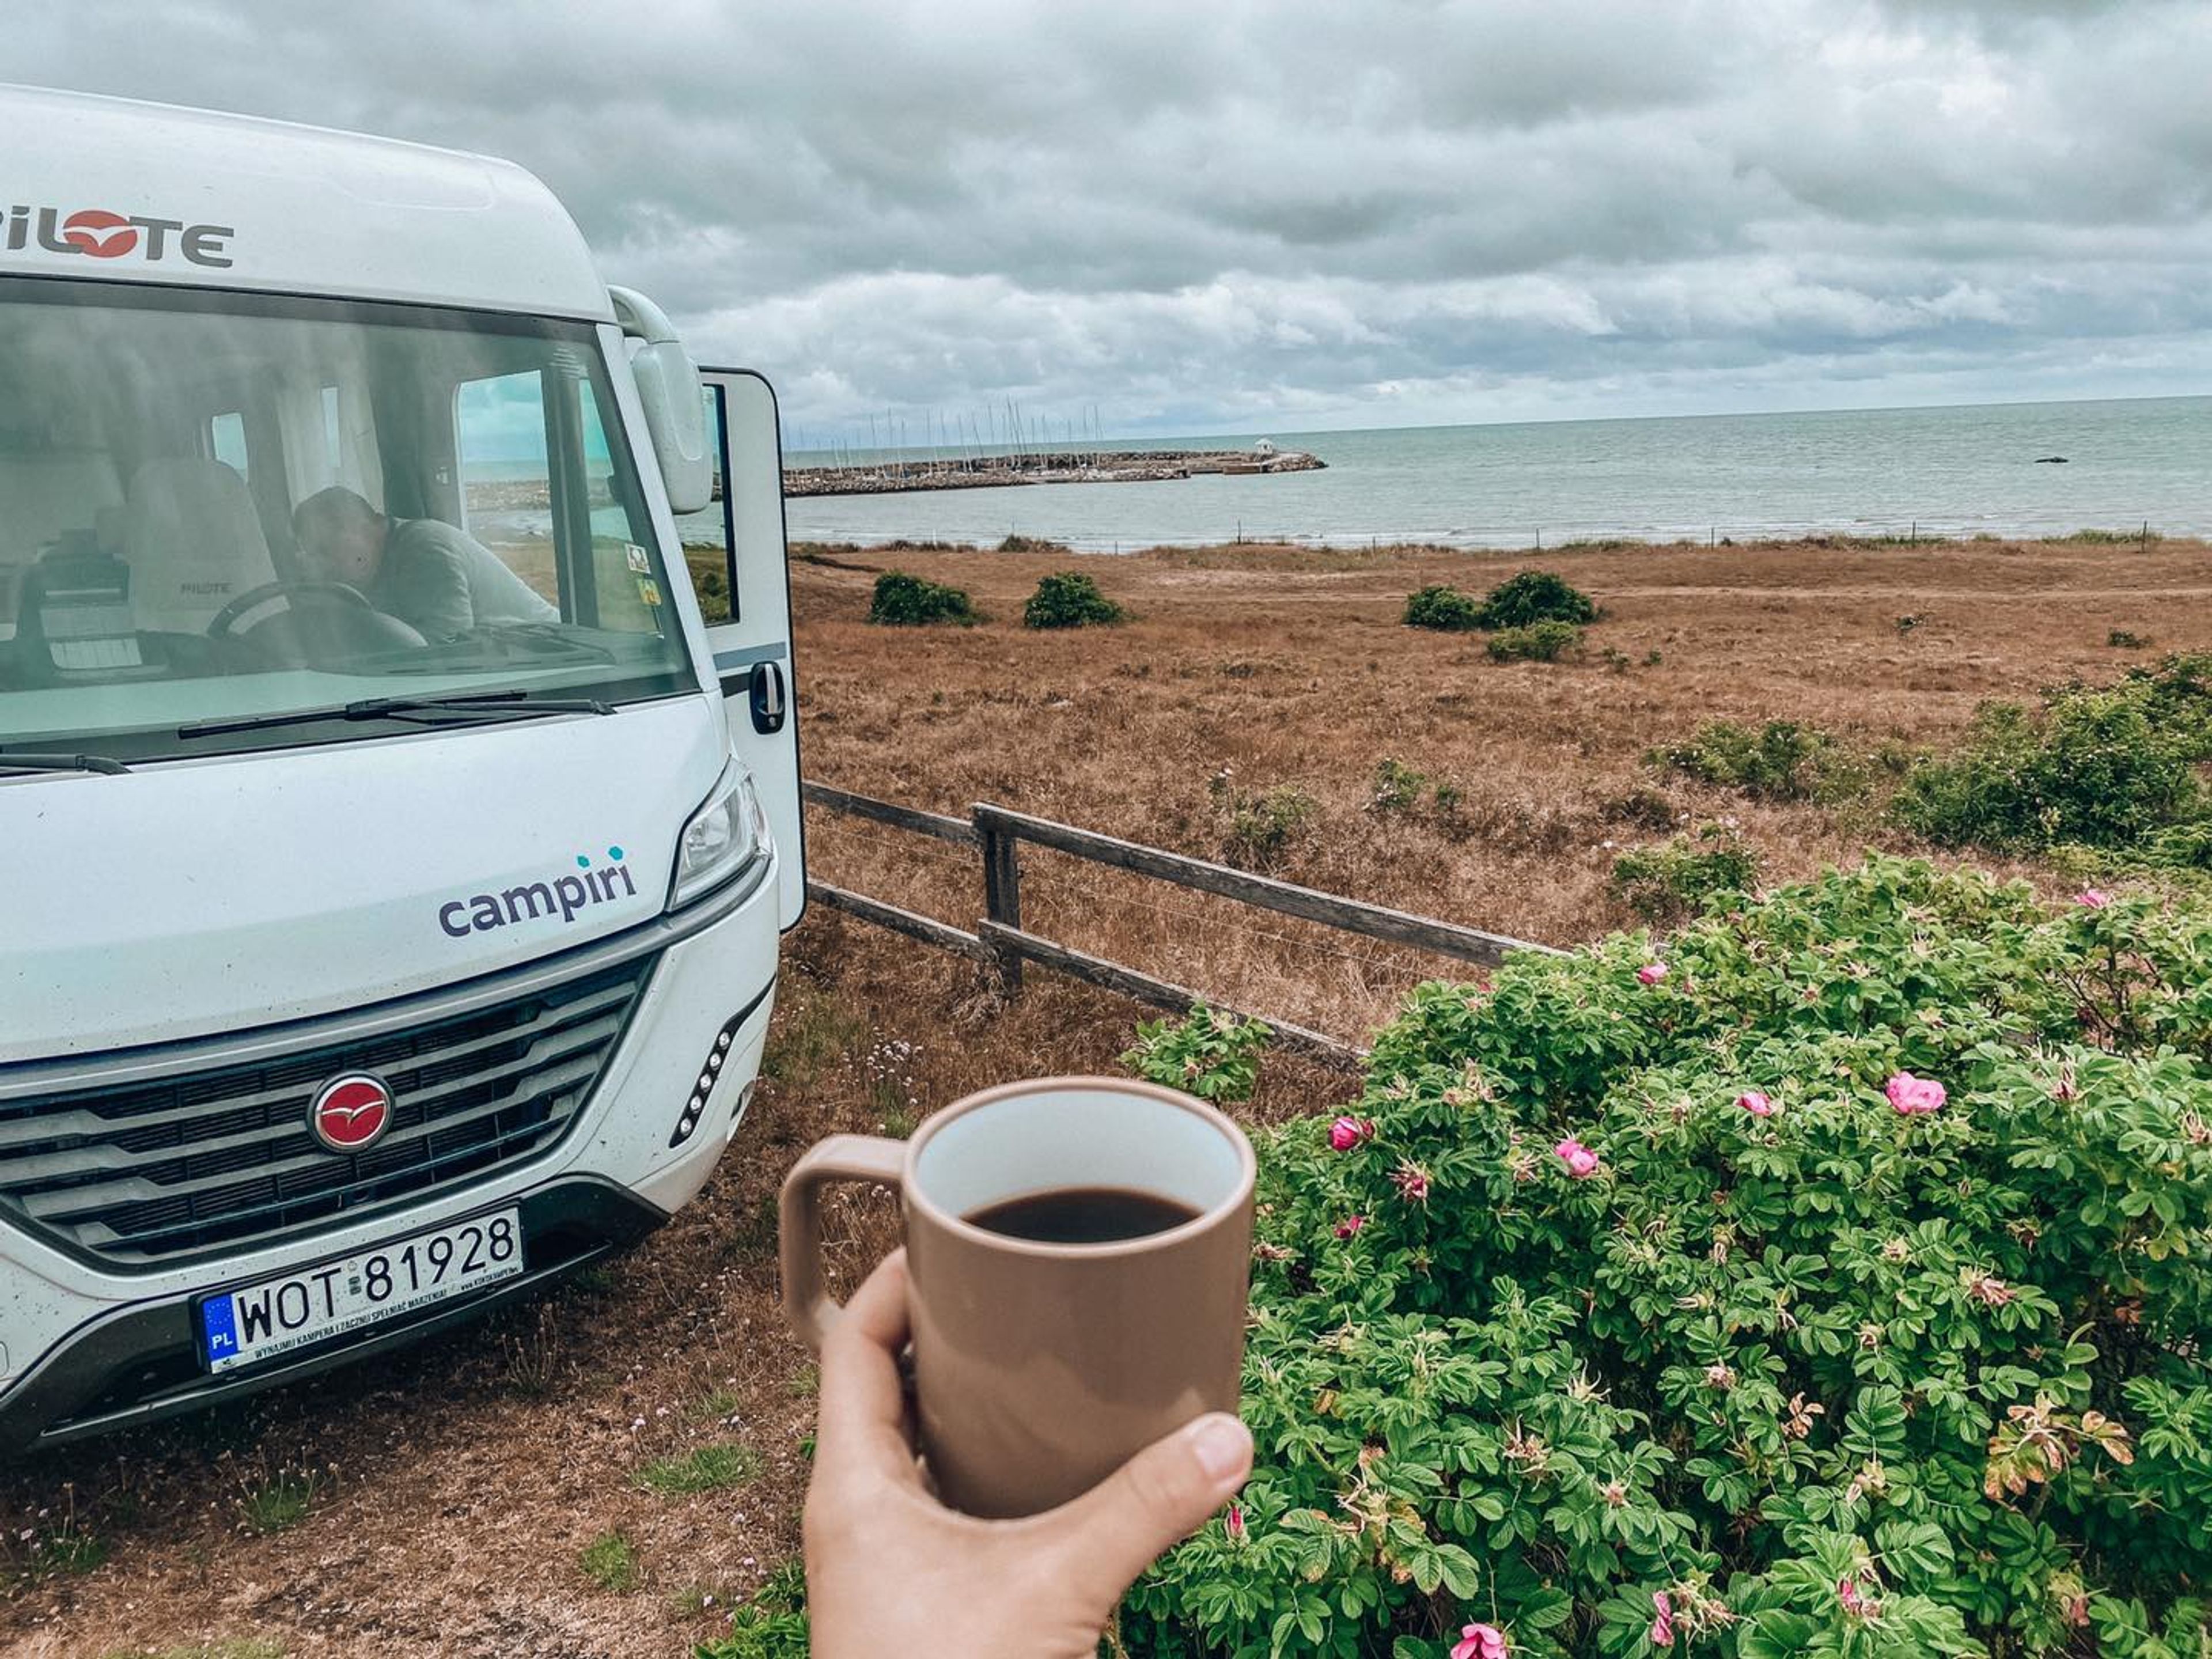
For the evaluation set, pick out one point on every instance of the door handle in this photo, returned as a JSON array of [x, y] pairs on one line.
[[764, 690]]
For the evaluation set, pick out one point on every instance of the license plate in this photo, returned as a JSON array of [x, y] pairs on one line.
[[279, 1315]]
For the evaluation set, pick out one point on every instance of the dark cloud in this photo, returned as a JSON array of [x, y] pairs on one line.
[[1425, 209]]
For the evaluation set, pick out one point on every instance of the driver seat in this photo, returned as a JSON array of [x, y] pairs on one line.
[[194, 543]]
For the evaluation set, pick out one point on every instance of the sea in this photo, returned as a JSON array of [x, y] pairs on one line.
[[1960, 470]]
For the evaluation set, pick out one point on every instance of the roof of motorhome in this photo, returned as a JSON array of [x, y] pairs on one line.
[[109, 188]]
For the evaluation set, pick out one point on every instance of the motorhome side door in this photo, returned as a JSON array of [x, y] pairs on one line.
[[750, 628]]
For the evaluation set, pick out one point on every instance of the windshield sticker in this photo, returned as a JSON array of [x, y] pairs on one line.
[[565, 896], [100, 233], [648, 590], [639, 563]]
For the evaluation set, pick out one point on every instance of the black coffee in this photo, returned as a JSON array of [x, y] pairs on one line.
[[1083, 1215]]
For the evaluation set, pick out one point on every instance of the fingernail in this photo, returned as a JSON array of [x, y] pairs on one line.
[[1222, 1445]]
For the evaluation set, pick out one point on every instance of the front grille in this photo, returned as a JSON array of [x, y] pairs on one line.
[[147, 1172]]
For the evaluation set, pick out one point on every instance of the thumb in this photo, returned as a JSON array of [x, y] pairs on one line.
[[1158, 1497]]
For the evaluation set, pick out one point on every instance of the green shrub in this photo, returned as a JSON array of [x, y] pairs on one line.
[[1442, 607], [2104, 767], [772, 1626], [1542, 641], [1398, 786], [1209, 1053], [1665, 883], [611, 1562], [1068, 600], [1780, 761], [1532, 596], [1258, 829], [1642, 1286], [708, 1469], [1014, 543], [902, 600], [2121, 640]]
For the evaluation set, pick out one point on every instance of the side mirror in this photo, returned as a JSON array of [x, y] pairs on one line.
[[675, 406]]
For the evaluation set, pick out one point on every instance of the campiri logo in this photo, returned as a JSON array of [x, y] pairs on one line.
[[100, 233], [565, 896]]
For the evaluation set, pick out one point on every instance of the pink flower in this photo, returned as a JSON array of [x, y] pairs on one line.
[[1480, 1642], [2093, 898], [1233, 1523], [1651, 973], [1412, 1181], [1348, 1131], [1581, 1161], [1662, 1627], [1350, 1225], [1755, 1103], [1914, 1096]]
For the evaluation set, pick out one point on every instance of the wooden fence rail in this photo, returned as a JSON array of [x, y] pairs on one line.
[[1003, 945]]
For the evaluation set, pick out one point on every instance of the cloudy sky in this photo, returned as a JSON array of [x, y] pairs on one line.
[[1235, 215]]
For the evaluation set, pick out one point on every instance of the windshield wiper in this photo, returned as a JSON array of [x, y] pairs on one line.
[[100, 764], [459, 708]]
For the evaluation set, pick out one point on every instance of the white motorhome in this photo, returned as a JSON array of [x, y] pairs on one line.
[[376, 940]]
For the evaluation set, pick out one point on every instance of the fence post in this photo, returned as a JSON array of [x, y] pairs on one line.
[[1002, 895]]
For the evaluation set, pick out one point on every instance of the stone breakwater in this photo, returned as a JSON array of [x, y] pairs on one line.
[[995, 471]]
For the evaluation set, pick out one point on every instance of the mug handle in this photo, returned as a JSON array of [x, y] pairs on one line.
[[806, 1304]]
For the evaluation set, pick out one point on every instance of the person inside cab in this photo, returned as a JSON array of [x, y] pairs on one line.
[[436, 578]]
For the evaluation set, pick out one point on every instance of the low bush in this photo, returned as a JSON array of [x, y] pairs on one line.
[[1209, 1053], [773, 1625], [1258, 828], [1069, 599], [708, 1469], [2114, 537], [2108, 767], [610, 1561], [1014, 543], [1532, 596], [1442, 607], [1403, 791], [1779, 761], [1828, 1281], [1543, 641], [1665, 883], [902, 600]]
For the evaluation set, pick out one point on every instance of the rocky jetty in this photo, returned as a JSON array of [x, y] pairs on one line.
[[1042, 467]]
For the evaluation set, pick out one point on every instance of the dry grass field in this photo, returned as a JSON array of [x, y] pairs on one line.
[[1292, 669], [601, 1473]]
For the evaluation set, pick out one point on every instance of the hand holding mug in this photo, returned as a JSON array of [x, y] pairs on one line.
[[1076, 1265], [891, 1571]]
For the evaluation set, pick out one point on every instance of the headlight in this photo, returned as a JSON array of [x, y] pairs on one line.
[[724, 836]]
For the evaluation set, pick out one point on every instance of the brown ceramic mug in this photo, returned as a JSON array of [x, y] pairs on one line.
[[1041, 1367]]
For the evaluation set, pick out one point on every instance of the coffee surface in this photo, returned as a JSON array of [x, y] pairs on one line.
[[1082, 1215]]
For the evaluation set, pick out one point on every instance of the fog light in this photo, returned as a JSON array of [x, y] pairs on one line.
[[709, 1073]]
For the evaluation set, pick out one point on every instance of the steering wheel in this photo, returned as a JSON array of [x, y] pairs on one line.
[[224, 623]]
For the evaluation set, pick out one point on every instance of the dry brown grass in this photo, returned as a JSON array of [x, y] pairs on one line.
[[457, 1487], [1291, 668]]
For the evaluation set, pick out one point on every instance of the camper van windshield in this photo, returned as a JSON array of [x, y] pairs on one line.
[[216, 511]]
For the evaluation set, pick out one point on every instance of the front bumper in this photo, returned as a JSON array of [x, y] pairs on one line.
[[87, 1345], [142, 1363]]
